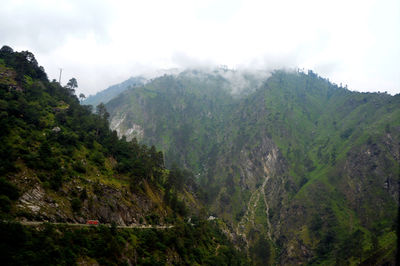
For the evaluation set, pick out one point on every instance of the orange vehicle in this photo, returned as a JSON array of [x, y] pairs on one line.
[[93, 222]]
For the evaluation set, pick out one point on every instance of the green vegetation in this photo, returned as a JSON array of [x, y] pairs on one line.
[[200, 244], [188, 116], [45, 128], [329, 152], [298, 169], [60, 162], [113, 91]]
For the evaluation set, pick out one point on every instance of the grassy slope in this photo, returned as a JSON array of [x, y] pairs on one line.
[[330, 137], [60, 162], [316, 126], [180, 116]]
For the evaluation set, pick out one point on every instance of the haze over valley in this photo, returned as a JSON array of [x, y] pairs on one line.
[[199, 133]]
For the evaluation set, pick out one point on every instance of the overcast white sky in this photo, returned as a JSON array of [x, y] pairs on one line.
[[102, 42]]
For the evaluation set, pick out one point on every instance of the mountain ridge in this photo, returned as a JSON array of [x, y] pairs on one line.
[[61, 166], [329, 147]]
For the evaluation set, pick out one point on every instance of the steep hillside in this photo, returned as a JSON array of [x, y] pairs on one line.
[[61, 165], [113, 91], [302, 169], [182, 114], [337, 152]]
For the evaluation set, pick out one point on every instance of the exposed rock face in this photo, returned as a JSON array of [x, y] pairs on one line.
[[56, 129], [275, 159], [263, 177], [366, 180], [106, 204], [33, 199], [130, 132]]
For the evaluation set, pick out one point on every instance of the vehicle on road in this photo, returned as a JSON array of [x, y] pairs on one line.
[[93, 222]]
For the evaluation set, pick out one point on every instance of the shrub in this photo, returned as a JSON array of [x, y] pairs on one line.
[[76, 204], [5, 204], [8, 189]]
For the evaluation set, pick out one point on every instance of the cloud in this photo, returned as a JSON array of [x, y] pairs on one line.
[[103, 42], [183, 60], [45, 25], [327, 68]]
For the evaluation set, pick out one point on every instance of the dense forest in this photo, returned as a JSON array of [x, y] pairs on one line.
[[301, 168], [289, 167], [61, 164]]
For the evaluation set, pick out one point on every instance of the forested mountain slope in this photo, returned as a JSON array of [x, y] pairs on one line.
[[113, 91], [60, 163], [305, 171]]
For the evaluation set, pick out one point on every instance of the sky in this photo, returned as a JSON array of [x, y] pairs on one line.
[[104, 42]]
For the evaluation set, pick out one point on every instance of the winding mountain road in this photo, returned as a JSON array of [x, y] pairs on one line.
[[138, 226]]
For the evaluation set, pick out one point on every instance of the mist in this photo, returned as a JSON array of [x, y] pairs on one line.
[[101, 43]]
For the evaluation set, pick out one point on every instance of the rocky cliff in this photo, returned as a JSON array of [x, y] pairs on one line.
[[296, 164]]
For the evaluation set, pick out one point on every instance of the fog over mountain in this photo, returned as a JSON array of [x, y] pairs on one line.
[[303, 170], [197, 166], [186, 132], [103, 43]]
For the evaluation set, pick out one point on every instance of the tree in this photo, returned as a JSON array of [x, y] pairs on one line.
[[30, 57], [102, 111], [6, 50], [261, 251], [176, 178], [82, 97], [72, 84]]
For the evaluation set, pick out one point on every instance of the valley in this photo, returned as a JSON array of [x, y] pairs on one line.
[[290, 158], [61, 166], [291, 168]]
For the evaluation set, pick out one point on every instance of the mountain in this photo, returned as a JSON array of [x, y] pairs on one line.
[[112, 91], [136, 81], [302, 170], [61, 165]]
